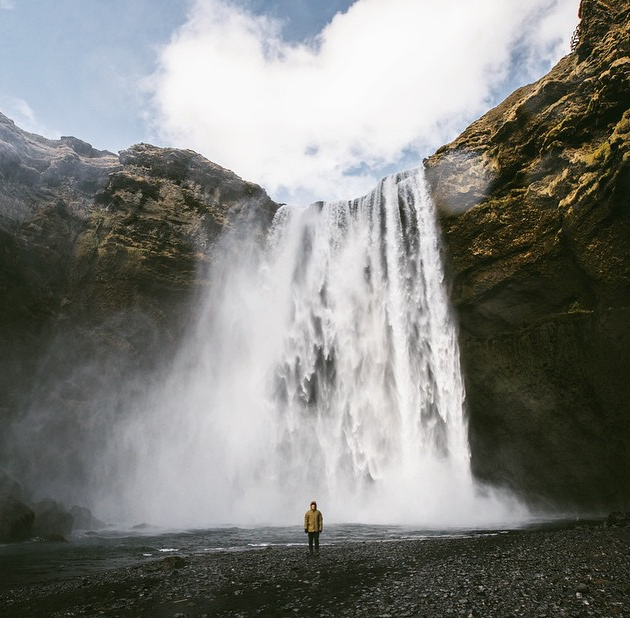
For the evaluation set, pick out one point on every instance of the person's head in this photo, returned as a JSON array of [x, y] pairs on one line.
[[313, 505]]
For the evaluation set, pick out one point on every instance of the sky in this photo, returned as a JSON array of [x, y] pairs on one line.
[[312, 99]]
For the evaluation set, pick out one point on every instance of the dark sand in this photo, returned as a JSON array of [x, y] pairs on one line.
[[583, 571]]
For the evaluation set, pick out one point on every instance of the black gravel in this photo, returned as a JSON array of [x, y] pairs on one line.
[[584, 571]]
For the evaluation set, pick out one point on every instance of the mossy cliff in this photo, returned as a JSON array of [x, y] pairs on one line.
[[534, 201]]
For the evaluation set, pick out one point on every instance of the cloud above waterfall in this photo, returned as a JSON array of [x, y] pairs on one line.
[[381, 85]]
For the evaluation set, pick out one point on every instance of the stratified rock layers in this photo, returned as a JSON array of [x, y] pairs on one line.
[[534, 199]]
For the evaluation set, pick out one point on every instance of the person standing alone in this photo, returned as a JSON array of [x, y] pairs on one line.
[[313, 525]]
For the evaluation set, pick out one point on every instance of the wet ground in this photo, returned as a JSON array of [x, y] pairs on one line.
[[579, 571]]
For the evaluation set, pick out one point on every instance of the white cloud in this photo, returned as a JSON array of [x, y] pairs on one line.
[[7, 4], [385, 81]]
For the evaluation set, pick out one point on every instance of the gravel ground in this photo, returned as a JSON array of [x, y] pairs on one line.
[[584, 571]]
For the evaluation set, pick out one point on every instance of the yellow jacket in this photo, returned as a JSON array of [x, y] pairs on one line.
[[313, 521]]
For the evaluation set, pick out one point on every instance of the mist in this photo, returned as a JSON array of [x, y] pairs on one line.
[[321, 361], [323, 364]]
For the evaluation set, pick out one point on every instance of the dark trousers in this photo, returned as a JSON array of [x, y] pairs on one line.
[[313, 537]]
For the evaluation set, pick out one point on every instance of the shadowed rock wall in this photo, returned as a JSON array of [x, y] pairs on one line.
[[101, 259], [534, 200]]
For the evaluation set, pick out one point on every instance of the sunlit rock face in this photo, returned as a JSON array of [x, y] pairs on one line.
[[534, 200], [101, 256]]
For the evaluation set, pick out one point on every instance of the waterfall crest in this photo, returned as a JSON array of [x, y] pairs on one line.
[[325, 365]]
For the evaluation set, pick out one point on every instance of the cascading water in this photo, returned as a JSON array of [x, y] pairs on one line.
[[324, 366]]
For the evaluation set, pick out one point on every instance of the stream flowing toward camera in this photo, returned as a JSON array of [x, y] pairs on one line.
[[324, 365]]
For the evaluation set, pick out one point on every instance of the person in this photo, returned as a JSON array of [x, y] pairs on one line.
[[313, 525]]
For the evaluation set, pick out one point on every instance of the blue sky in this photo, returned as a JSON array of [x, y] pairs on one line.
[[78, 64], [310, 98]]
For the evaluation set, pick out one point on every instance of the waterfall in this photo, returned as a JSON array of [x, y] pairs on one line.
[[325, 366]]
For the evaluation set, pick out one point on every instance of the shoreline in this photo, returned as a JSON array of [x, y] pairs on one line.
[[582, 570]]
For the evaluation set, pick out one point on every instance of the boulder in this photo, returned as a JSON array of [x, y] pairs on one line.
[[83, 519], [173, 562], [16, 519], [51, 519], [618, 518]]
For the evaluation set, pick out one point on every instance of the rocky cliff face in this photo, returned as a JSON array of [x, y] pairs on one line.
[[101, 256], [534, 199], [93, 238]]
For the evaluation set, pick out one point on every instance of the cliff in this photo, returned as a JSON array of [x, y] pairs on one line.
[[101, 257], [534, 201]]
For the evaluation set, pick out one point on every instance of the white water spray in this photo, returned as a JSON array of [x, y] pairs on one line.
[[325, 366]]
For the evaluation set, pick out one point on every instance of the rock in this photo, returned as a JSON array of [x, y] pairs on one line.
[[83, 519], [16, 519], [173, 562], [533, 203], [51, 519], [53, 538], [617, 518], [596, 19]]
